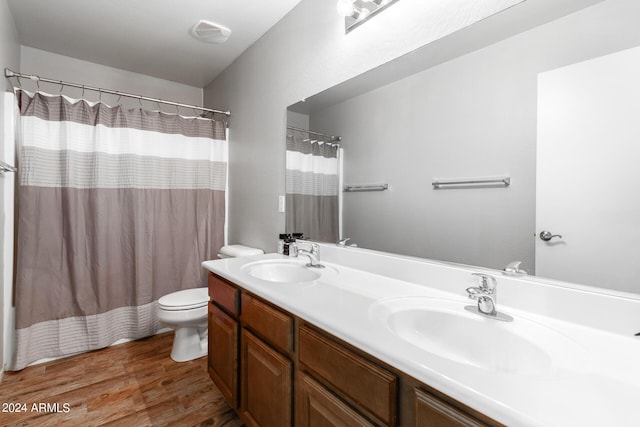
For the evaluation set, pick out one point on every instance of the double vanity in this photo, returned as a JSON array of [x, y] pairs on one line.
[[380, 339]]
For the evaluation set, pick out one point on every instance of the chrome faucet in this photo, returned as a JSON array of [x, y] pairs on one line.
[[486, 293], [313, 254]]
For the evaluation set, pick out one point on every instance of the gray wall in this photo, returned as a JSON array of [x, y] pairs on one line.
[[60, 67], [307, 52], [474, 116], [9, 58], [297, 120]]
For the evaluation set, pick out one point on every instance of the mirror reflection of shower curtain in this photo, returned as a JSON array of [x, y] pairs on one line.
[[312, 188], [116, 209]]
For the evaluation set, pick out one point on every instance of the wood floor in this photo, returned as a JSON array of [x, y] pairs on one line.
[[132, 384]]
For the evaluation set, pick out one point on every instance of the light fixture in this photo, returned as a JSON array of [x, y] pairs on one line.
[[345, 7], [356, 12], [210, 32]]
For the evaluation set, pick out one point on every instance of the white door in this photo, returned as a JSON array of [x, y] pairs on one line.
[[588, 172]]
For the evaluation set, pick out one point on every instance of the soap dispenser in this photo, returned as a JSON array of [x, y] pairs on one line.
[[281, 240], [290, 247]]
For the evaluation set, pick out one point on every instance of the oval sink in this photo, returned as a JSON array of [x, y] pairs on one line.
[[282, 271], [446, 329]]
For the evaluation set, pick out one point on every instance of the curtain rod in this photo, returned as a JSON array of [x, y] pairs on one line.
[[9, 73], [331, 137]]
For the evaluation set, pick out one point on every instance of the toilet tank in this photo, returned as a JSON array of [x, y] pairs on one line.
[[235, 251]]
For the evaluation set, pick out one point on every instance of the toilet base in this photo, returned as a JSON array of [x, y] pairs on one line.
[[189, 344]]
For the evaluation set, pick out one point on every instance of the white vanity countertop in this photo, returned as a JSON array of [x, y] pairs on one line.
[[599, 387]]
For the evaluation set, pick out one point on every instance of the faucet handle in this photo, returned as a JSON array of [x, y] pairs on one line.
[[487, 283], [343, 242], [315, 248], [513, 269], [473, 292]]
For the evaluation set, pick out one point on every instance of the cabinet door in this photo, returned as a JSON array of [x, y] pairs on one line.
[[266, 384], [432, 411], [318, 407], [223, 353]]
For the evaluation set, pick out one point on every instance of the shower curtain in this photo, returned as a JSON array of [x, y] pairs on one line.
[[312, 188], [115, 209]]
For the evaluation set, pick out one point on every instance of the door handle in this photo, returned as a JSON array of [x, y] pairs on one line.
[[547, 236]]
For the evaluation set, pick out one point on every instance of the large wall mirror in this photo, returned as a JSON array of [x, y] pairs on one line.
[[551, 102]]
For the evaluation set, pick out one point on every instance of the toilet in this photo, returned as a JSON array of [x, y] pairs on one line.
[[185, 311]]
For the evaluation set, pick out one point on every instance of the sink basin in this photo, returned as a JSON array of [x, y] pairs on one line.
[[282, 271], [444, 328]]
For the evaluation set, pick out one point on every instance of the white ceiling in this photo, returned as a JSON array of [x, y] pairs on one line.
[[146, 36]]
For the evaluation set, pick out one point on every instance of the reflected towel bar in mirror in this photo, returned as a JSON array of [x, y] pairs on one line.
[[468, 182], [372, 187]]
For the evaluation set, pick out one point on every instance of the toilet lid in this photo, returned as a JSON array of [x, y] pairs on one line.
[[185, 299]]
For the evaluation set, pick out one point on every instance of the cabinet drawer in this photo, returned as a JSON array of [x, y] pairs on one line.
[[317, 406], [431, 410], [371, 387], [270, 323], [224, 294]]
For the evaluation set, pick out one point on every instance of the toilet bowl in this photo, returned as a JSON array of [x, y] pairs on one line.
[[186, 312]]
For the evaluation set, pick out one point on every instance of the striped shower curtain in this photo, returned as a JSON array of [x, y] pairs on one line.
[[115, 209], [312, 188]]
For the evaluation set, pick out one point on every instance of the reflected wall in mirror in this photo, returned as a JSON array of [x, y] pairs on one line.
[[471, 111]]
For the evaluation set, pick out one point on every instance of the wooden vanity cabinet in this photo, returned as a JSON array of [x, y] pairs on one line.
[[250, 350], [276, 370], [338, 385]]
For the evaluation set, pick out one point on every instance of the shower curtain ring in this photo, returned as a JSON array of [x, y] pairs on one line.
[[61, 88], [82, 96], [140, 102], [159, 107]]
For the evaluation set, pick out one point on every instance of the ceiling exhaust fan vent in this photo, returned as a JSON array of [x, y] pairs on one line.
[[209, 32]]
